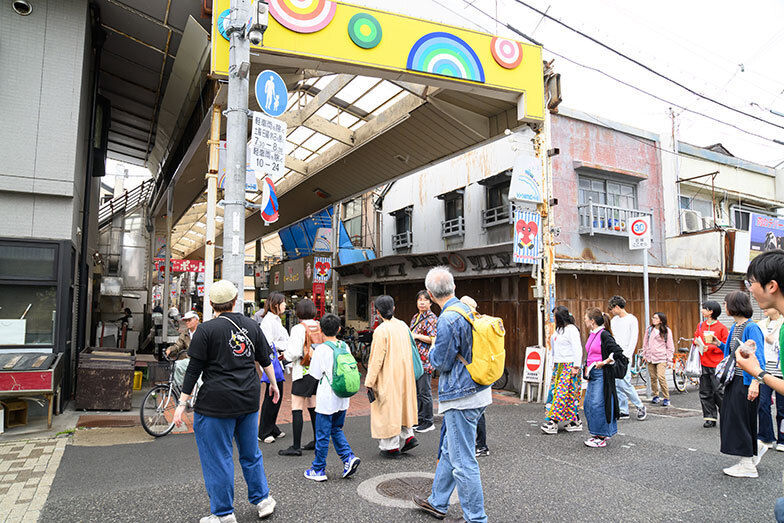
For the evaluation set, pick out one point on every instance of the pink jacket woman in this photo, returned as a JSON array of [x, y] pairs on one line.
[[657, 349]]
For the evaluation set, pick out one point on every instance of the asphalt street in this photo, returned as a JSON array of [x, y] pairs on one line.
[[667, 468]]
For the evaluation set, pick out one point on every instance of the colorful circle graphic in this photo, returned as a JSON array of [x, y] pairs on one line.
[[507, 53], [364, 30], [223, 22], [446, 55], [303, 16]]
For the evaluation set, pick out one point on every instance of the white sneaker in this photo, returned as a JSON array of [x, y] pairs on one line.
[[780, 447], [212, 518], [762, 448], [596, 442], [281, 435], [266, 507], [744, 469], [269, 439], [574, 426], [549, 427]]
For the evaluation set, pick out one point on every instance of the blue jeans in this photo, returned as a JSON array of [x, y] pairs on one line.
[[330, 425], [766, 432], [626, 392], [778, 510], [216, 453], [458, 467], [594, 407]]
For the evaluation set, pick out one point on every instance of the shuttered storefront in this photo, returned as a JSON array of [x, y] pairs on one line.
[[719, 292]]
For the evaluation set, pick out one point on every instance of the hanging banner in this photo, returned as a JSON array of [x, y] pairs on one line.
[[526, 183], [322, 269], [323, 240], [527, 243], [319, 298], [179, 265]]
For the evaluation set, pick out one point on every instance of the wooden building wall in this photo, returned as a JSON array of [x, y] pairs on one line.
[[508, 297], [678, 299]]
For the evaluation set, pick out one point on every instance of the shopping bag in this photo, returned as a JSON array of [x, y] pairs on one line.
[[693, 365]]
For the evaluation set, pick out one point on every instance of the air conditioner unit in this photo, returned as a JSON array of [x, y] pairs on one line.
[[690, 221], [708, 223]]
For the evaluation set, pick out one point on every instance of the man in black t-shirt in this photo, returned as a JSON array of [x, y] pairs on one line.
[[225, 351]]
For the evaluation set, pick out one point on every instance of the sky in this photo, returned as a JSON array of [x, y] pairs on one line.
[[727, 50]]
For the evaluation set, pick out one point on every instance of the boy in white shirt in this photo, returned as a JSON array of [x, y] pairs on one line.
[[625, 330], [330, 408]]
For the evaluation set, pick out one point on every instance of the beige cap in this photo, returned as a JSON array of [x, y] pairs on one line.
[[190, 315], [222, 291]]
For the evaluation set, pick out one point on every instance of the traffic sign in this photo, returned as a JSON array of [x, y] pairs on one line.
[[271, 94], [533, 368], [640, 233], [267, 146]]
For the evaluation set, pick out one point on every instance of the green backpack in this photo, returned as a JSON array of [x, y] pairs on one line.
[[345, 375]]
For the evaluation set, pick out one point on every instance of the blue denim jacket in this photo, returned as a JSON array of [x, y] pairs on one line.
[[453, 336]]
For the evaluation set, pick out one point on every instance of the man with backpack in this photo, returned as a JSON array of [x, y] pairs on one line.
[[392, 379], [462, 401], [333, 366]]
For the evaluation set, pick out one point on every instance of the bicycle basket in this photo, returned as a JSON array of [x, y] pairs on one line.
[[365, 336], [159, 371]]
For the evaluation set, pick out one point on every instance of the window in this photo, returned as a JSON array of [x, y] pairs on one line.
[[453, 207], [402, 238], [352, 220], [704, 207], [453, 214], [607, 192], [498, 196], [741, 215]]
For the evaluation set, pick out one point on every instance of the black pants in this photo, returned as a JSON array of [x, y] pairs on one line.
[[481, 432], [424, 400], [711, 392], [738, 422], [269, 413]]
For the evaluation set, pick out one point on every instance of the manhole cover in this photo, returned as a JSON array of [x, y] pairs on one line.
[[404, 488], [676, 412]]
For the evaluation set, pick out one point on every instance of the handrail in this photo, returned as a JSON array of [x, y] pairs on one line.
[[125, 203], [606, 219]]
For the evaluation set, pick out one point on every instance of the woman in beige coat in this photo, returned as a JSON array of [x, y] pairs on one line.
[[391, 377]]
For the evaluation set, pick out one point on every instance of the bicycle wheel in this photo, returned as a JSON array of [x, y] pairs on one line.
[[157, 411], [679, 375], [365, 355], [501, 383]]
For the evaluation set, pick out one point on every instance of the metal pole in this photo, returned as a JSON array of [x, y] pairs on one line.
[[646, 296], [212, 197], [335, 247], [167, 267], [236, 148]]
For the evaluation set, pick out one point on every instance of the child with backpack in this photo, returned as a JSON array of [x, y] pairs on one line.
[[333, 366]]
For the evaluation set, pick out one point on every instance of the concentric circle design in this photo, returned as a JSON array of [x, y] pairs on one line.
[[507, 53], [223, 22], [364, 30], [303, 16], [446, 55]]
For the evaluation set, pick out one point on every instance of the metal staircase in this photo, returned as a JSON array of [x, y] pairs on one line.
[[124, 204]]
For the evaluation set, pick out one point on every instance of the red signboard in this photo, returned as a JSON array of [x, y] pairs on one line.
[[180, 265], [25, 380], [533, 362]]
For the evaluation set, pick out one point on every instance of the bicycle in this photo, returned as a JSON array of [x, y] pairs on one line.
[[159, 404], [679, 376], [364, 340], [639, 369]]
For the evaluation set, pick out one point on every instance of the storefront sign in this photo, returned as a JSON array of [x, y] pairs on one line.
[[527, 243], [179, 265], [534, 365], [294, 275], [323, 240], [526, 183], [766, 232], [200, 290]]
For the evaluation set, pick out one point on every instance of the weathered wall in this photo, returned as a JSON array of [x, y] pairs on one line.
[[581, 141]]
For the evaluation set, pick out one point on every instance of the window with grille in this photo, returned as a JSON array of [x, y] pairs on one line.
[[607, 192]]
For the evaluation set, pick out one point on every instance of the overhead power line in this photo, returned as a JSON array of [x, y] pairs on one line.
[[627, 84], [647, 68]]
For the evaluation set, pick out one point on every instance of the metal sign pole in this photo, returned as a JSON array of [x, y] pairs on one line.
[[646, 295], [236, 149]]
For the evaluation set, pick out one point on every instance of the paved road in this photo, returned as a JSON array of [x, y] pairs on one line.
[[665, 469]]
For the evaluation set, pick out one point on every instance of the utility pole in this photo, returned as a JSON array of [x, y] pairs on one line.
[[236, 148], [212, 197]]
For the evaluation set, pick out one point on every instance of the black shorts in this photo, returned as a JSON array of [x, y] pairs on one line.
[[305, 387]]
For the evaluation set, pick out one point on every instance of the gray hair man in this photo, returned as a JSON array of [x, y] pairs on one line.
[[462, 401]]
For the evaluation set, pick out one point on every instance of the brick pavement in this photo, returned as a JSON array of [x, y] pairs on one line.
[[27, 469]]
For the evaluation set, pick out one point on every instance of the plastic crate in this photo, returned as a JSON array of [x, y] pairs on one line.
[[159, 371]]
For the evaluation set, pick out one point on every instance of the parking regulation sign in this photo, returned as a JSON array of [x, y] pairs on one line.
[[640, 233]]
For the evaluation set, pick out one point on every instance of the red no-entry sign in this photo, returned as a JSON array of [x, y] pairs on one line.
[[533, 362]]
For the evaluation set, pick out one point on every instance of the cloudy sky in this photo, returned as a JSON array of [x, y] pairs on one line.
[[727, 50]]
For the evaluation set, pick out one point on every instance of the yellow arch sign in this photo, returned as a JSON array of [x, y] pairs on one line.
[[385, 43]]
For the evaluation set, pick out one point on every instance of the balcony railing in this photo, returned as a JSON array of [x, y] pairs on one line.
[[450, 228], [403, 240], [497, 216], [596, 218]]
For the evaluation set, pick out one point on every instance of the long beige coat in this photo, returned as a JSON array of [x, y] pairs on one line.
[[391, 376]]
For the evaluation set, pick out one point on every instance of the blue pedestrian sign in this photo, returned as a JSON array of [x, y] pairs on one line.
[[271, 94]]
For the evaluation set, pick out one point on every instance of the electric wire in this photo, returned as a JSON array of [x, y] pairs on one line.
[[627, 84], [644, 66]]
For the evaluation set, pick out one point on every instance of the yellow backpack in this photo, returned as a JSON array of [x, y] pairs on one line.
[[488, 355]]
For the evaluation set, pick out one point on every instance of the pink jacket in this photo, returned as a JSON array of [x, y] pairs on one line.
[[655, 349]]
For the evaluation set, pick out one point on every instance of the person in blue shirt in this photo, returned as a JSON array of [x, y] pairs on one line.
[[738, 414], [462, 402]]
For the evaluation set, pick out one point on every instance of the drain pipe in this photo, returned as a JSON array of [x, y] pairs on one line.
[[98, 37]]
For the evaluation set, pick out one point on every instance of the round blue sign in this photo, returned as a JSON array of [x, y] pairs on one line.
[[271, 94], [223, 21]]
